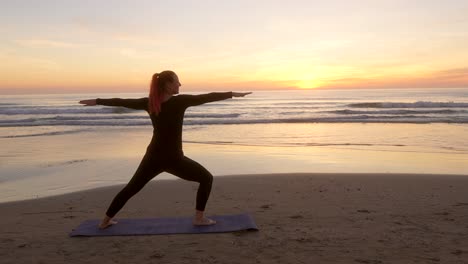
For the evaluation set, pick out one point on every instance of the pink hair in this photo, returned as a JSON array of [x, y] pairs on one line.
[[155, 96], [157, 90]]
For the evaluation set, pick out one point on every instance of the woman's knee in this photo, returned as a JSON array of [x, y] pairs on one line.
[[206, 178]]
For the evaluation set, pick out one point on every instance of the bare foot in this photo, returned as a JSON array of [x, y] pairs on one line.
[[203, 221], [106, 223]]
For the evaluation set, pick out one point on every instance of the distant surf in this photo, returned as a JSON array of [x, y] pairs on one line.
[[358, 106]]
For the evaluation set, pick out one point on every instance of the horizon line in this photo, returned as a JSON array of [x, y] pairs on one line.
[[213, 90]]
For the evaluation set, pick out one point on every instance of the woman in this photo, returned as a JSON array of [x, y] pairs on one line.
[[164, 153]]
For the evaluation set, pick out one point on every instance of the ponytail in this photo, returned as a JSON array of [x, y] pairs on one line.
[[158, 86], [154, 96]]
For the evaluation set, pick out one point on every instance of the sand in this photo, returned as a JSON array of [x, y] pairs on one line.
[[303, 218]]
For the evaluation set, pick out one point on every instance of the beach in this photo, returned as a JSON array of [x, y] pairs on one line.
[[329, 177], [302, 218]]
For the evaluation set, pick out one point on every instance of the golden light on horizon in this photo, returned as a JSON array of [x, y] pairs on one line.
[[303, 78], [308, 84]]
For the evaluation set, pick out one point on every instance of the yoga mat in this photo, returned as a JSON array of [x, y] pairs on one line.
[[164, 226]]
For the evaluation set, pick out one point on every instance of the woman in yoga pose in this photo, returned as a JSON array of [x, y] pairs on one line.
[[164, 152]]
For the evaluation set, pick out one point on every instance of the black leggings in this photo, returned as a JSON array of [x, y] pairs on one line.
[[151, 166]]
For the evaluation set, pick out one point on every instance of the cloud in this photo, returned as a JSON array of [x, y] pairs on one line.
[[45, 43], [131, 53], [448, 78], [122, 34], [4, 53], [137, 54], [135, 39], [38, 64], [458, 73]]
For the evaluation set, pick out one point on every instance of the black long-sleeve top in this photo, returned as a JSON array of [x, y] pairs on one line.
[[167, 133]]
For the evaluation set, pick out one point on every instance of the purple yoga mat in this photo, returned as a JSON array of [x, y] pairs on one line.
[[164, 226]]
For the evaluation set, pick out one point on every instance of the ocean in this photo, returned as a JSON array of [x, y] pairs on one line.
[[50, 144], [264, 107], [49, 115]]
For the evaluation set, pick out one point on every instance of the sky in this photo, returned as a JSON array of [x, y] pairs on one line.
[[103, 46]]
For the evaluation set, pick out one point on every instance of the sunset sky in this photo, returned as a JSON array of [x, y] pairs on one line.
[[95, 46]]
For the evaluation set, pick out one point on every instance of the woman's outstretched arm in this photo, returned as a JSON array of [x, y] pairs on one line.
[[138, 104], [193, 100]]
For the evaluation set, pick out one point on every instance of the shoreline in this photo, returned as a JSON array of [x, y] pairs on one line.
[[170, 179], [302, 217], [70, 189], [50, 165]]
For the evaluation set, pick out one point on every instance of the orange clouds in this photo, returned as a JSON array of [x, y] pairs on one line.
[[451, 78]]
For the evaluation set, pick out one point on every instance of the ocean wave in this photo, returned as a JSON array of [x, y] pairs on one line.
[[419, 104], [227, 121], [343, 119], [64, 110], [287, 144], [395, 112], [54, 133], [74, 118], [278, 107], [69, 111], [188, 115], [86, 118], [125, 122]]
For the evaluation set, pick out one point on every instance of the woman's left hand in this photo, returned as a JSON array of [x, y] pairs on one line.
[[234, 94]]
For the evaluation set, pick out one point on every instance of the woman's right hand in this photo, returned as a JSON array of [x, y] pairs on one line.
[[90, 102]]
